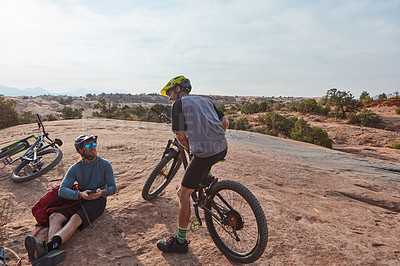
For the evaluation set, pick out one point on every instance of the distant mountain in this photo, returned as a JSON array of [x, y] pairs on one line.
[[9, 91]]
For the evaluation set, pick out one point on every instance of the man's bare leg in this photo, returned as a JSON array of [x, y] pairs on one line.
[[69, 229], [56, 221], [184, 206]]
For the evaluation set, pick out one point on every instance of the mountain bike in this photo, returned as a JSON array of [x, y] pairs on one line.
[[39, 158], [234, 217]]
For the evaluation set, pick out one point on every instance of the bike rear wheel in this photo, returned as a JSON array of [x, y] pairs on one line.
[[13, 149], [28, 170], [162, 174], [242, 233]]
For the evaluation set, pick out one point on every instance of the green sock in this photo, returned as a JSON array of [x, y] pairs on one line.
[[181, 237]]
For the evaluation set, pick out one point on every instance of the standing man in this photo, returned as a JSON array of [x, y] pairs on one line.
[[200, 127], [96, 181]]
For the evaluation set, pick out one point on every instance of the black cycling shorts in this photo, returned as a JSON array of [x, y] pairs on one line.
[[93, 208], [199, 168]]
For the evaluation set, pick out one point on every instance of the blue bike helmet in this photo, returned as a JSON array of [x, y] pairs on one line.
[[80, 141]]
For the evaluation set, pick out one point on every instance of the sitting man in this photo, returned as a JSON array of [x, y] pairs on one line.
[[96, 181]]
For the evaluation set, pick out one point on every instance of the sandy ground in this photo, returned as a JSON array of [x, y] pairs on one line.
[[317, 215]]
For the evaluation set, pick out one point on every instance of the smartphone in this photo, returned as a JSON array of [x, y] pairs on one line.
[[92, 191]]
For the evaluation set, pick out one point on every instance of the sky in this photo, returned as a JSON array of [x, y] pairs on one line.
[[225, 47]]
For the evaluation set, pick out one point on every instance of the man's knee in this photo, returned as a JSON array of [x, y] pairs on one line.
[[57, 218], [184, 193], [75, 220]]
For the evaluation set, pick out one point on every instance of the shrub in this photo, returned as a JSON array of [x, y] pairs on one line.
[[250, 108], [382, 96], [8, 115], [302, 131], [396, 144], [241, 124], [276, 124], [107, 109], [365, 117], [309, 106], [292, 107], [221, 107], [71, 113], [27, 118], [398, 110], [264, 107], [50, 117], [364, 97]]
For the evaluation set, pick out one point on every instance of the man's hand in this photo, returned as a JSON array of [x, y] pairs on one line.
[[89, 195], [183, 140], [225, 124]]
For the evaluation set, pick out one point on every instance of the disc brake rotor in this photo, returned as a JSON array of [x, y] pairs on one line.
[[233, 220]]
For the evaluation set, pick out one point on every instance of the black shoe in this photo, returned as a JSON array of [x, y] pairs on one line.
[[52, 258], [173, 246], [34, 248]]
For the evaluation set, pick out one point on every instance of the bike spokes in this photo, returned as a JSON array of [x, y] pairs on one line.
[[237, 225]]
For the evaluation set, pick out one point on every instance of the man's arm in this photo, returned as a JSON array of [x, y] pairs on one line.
[[183, 140], [110, 180], [66, 190]]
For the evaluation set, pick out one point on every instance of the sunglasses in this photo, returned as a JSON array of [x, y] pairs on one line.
[[87, 146]]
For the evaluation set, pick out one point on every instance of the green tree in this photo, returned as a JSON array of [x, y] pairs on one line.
[[364, 97], [264, 107], [309, 106], [241, 123], [276, 124], [382, 96], [221, 107], [250, 108], [365, 117], [302, 131], [341, 101], [27, 118], [107, 109], [8, 115], [231, 122], [71, 113]]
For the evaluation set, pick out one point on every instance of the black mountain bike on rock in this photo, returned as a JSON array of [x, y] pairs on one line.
[[39, 158], [234, 217]]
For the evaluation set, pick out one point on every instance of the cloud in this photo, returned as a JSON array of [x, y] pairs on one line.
[[226, 47]]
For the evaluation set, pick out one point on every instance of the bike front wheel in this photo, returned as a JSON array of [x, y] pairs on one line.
[[239, 228], [162, 174], [30, 169]]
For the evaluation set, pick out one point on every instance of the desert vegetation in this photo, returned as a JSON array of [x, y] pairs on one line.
[[278, 116]]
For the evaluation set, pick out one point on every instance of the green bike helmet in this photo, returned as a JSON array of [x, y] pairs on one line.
[[183, 82]]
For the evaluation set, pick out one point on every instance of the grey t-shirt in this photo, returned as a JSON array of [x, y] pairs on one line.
[[201, 121]]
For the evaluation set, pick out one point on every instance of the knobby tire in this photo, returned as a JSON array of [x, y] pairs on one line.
[[161, 175], [18, 176], [13, 149], [247, 217]]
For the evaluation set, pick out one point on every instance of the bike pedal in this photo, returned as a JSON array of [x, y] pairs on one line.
[[195, 225], [6, 160]]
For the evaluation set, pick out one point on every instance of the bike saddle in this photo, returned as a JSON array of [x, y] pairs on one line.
[[58, 142]]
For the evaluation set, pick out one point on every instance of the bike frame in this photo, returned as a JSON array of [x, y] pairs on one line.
[[37, 146]]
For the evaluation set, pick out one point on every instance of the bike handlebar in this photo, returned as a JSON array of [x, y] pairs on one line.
[[40, 124], [161, 115]]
